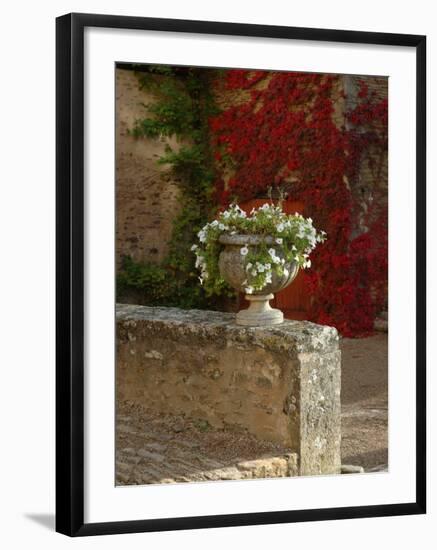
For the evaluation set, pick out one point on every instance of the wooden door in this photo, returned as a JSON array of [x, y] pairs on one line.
[[293, 300]]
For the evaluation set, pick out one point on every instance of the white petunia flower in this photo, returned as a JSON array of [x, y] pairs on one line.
[[221, 227], [278, 240], [275, 259], [194, 247], [280, 227], [244, 251]]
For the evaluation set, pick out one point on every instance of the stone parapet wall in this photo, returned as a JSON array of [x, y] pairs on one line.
[[281, 384]]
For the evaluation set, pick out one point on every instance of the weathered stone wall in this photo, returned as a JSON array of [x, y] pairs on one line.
[[370, 188], [281, 384], [147, 196]]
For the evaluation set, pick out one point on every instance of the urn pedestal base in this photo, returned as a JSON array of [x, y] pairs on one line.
[[259, 313]]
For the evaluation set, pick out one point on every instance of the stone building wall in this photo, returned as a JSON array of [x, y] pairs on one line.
[[147, 196], [370, 188]]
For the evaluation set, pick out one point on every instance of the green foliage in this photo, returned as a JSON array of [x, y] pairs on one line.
[[145, 277], [182, 107], [157, 286], [282, 239]]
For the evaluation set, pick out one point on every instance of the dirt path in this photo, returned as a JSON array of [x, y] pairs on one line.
[[365, 402]]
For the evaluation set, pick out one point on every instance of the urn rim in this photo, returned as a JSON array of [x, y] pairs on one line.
[[241, 239]]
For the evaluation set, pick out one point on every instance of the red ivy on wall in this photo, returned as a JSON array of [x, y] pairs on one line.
[[282, 130]]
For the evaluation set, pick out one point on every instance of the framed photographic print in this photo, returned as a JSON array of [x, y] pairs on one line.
[[240, 274]]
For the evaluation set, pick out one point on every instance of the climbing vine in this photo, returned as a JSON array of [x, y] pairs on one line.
[[285, 132], [182, 106], [280, 129]]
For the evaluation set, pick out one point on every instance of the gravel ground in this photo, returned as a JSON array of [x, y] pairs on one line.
[[154, 448], [364, 397]]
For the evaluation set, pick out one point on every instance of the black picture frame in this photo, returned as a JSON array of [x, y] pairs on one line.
[[70, 273]]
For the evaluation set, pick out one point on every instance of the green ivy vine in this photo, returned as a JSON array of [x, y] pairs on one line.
[[182, 108]]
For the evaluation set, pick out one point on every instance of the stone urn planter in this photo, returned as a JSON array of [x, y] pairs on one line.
[[232, 266]]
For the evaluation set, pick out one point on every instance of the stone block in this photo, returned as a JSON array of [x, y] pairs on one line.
[[279, 383]]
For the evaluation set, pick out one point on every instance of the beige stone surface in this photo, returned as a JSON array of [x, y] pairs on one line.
[[166, 448], [280, 384], [147, 196]]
